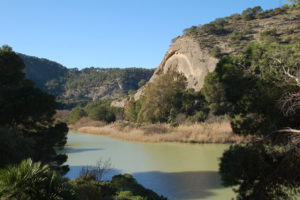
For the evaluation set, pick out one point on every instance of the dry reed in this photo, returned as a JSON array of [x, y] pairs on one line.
[[217, 132]]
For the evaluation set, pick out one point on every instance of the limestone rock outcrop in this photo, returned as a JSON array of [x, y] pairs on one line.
[[191, 54], [187, 57]]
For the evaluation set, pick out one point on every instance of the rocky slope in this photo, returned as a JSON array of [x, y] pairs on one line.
[[191, 53], [198, 50]]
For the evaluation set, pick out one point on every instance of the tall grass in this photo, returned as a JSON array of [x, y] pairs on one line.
[[217, 132]]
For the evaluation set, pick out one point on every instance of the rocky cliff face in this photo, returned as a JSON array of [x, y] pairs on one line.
[[191, 53], [186, 56]]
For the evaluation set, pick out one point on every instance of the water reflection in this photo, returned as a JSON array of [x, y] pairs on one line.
[[75, 172], [181, 185], [178, 171]]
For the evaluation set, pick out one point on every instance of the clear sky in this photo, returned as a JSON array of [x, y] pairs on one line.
[[107, 33]]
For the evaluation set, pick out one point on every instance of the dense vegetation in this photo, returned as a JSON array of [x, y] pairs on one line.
[[27, 127], [259, 89], [258, 93], [34, 181], [167, 100], [97, 111], [72, 86]]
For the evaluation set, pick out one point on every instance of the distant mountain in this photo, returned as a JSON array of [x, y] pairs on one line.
[[86, 84], [41, 70]]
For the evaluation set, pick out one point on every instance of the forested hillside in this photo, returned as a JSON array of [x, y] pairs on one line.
[[86, 84]]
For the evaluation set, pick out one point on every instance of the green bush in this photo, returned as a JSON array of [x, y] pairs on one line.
[[33, 181], [89, 189], [160, 96], [122, 187], [251, 13], [132, 110], [127, 195], [217, 27], [130, 188], [269, 36], [28, 112], [76, 114], [253, 83], [142, 82], [215, 52], [199, 116], [102, 113]]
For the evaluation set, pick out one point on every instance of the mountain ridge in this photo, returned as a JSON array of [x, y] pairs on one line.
[[71, 84], [197, 51]]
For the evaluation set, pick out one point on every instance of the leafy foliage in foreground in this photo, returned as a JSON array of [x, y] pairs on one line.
[[33, 181], [248, 87], [26, 114], [266, 170], [259, 90]]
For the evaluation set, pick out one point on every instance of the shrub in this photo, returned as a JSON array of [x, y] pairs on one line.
[[142, 82], [102, 113], [251, 13], [125, 182], [76, 114], [33, 181], [269, 36], [215, 52], [161, 96], [200, 116], [216, 27]]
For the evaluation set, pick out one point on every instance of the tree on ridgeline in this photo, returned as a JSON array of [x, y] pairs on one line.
[[294, 2], [26, 113]]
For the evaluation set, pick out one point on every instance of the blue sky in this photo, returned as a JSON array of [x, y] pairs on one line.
[[107, 33]]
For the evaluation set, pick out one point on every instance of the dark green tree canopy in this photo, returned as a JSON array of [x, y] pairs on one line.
[[28, 112], [261, 87]]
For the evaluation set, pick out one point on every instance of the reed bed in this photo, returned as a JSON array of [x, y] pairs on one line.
[[216, 132]]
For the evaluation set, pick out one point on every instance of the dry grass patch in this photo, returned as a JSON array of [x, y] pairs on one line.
[[86, 122], [217, 132]]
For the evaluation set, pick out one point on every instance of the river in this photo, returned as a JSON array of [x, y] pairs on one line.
[[176, 170]]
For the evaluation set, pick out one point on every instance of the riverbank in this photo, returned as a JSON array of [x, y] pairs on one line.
[[216, 132]]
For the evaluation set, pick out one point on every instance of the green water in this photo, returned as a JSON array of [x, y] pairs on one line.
[[178, 171]]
